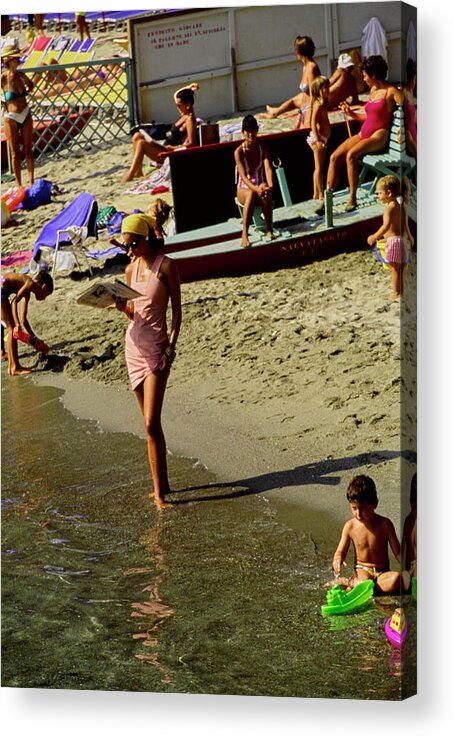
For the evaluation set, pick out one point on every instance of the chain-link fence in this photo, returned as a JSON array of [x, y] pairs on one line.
[[80, 106]]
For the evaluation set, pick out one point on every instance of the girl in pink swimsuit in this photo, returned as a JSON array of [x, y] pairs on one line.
[[254, 183], [149, 349], [373, 135]]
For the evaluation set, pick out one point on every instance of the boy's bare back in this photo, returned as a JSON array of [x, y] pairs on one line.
[[392, 220]]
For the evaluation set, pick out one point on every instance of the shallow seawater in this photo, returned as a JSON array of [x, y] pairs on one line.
[[213, 596]]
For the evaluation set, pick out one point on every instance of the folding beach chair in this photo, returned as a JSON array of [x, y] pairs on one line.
[[86, 51], [56, 50], [69, 229], [69, 54], [39, 46]]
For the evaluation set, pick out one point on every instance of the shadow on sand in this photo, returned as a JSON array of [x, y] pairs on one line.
[[307, 474]]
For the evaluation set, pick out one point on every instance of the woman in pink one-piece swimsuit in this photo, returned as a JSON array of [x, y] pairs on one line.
[[149, 349], [374, 133]]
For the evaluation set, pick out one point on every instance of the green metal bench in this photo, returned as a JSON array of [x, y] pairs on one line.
[[393, 161]]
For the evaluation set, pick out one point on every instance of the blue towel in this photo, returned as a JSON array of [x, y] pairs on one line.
[[82, 211]]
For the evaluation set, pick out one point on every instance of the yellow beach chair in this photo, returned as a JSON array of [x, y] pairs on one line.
[[37, 51], [69, 55]]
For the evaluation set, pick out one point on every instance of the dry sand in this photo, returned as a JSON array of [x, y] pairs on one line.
[[289, 380]]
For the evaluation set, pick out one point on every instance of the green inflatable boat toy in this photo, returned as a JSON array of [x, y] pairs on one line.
[[414, 589], [340, 602]]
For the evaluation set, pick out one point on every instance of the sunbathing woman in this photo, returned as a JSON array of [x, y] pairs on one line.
[[17, 118], [373, 135], [56, 81], [150, 349], [304, 50], [183, 134]]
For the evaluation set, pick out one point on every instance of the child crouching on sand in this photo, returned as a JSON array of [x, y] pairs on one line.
[[22, 287], [395, 230], [370, 534], [254, 179]]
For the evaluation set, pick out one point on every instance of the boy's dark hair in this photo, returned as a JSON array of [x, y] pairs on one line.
[[45, 280], [186, 96], [413, 490], [362, 489], [375, 66], [304, 46], [249, 124]]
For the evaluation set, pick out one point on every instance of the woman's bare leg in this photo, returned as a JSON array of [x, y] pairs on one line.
[[293, 102], [13, 138], [143, 148], [372, 145], [27, 141], [150, 395], [337, 160], [248, 199], [267, 206]]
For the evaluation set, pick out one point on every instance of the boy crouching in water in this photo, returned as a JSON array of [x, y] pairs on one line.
[[370, 534]]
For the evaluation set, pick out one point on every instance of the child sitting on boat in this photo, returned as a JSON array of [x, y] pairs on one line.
[[370, 534], [254, 179], [22, 287], [395, 230], [319, 135]]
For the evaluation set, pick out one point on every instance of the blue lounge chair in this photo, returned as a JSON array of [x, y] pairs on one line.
[[70, 228]]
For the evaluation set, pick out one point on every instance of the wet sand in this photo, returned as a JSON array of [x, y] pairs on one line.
[[290, 380]]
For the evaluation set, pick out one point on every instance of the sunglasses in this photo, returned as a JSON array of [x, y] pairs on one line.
[[134, 244]]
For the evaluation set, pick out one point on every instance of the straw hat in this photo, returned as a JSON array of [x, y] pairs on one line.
[[10, 51], [345, 61]]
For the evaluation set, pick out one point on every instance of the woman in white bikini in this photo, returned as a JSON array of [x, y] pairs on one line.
[[17, 118]]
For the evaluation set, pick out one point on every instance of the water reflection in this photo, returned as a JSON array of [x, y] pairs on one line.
[[151, 614]]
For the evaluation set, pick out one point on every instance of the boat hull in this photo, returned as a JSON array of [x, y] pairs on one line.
[[230, 259]]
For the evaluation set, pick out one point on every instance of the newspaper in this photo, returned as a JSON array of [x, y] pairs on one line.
[[103, 294], [148, 138]]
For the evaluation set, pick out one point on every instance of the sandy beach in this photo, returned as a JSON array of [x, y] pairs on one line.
[[288, 381]]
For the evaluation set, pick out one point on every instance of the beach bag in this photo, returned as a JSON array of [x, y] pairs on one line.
[[13, 197], [114, 224], [38, 194], [104, 216]]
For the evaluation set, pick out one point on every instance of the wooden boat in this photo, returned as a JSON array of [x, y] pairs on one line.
[[301, 237], [49, 132], [208, 242]]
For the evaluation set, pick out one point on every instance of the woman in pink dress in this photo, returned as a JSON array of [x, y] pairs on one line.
[[149, 348]]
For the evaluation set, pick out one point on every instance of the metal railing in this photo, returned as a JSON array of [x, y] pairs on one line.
[[80, 106]]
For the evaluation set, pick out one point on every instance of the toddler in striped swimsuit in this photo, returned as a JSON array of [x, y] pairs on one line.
[[395, 230]]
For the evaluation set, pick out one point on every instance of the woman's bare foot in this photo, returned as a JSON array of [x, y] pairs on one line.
[[270, 235], [350, 206], [16, 371], [160, 502], [245, 242], [270, 112], [394, 297]]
